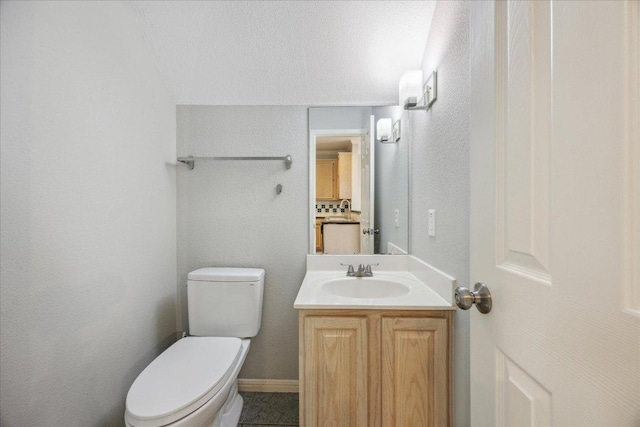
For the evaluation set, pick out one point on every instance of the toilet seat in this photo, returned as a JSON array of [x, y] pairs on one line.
[[182, 379]]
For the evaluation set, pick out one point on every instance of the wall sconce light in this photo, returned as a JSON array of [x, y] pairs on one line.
[[384, 131], [387, 133], [396, 131], [411, 90]]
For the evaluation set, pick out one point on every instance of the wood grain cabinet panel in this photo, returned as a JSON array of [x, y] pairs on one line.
[[375, 368], [414, 374], [326, 179], [336, 376], [344, 176], [318, 227]]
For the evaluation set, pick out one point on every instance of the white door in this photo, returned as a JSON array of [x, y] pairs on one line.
[[368, 184], [555, 189]]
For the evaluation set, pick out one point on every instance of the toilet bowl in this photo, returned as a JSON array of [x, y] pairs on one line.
[[194, 382]]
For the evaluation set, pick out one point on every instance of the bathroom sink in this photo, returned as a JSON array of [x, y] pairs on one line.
[[393, 286], [365, 287]]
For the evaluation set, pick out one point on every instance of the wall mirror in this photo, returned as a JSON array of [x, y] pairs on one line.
[[358, 185]]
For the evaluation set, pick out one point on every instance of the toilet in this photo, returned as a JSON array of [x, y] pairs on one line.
[[194, 382]]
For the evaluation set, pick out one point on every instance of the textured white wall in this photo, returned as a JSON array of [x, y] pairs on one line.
[[284, 52], [87, 212], [230, 215], [440, 173]]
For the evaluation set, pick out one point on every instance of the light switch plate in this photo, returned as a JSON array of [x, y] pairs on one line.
[[432, 222]]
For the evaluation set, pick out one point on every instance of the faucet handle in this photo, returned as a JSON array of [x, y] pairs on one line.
[[350, 270], [368, 271]]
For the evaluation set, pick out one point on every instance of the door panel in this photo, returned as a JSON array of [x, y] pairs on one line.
[[631, 203], [554, 143], [523, 79], [520, 400], [368, 187]]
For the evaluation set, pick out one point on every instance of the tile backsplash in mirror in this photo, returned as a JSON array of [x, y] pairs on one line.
[[328, 208]]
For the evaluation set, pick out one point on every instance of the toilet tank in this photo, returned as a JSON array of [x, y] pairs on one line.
[[225, 302]]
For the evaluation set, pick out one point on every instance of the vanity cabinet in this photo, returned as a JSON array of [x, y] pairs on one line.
[[375, 368], [326, 179]]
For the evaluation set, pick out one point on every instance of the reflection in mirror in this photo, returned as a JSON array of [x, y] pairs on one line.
[[359, 186]]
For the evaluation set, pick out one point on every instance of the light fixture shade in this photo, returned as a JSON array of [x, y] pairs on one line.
[[410, 88], [384, 130]]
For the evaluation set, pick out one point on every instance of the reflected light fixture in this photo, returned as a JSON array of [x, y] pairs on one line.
[[384, 132], [411, 90], [396, 131]]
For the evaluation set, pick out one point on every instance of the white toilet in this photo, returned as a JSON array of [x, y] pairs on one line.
[[194, 382]]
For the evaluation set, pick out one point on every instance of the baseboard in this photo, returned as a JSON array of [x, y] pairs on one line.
[[268, 386]]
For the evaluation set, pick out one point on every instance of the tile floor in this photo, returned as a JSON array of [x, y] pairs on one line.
[[269, 409]]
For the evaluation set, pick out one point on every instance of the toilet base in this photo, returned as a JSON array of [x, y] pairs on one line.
[[230, 414]]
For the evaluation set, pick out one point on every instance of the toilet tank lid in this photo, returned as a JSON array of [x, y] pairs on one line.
[[227, 274]]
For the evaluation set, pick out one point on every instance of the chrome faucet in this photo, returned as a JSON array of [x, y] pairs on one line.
[[348, 203], [362, 270]]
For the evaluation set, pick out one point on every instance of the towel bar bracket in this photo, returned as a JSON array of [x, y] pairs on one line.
[[191, 163]]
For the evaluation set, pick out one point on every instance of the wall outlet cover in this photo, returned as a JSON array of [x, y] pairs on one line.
[[432, 222]]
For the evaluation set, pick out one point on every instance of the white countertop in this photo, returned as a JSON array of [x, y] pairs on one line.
[[421, 296]]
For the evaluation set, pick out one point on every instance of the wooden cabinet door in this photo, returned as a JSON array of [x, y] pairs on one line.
[[336, 369], [414, 372], [326, 174], [319, 235], [344, 176]]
